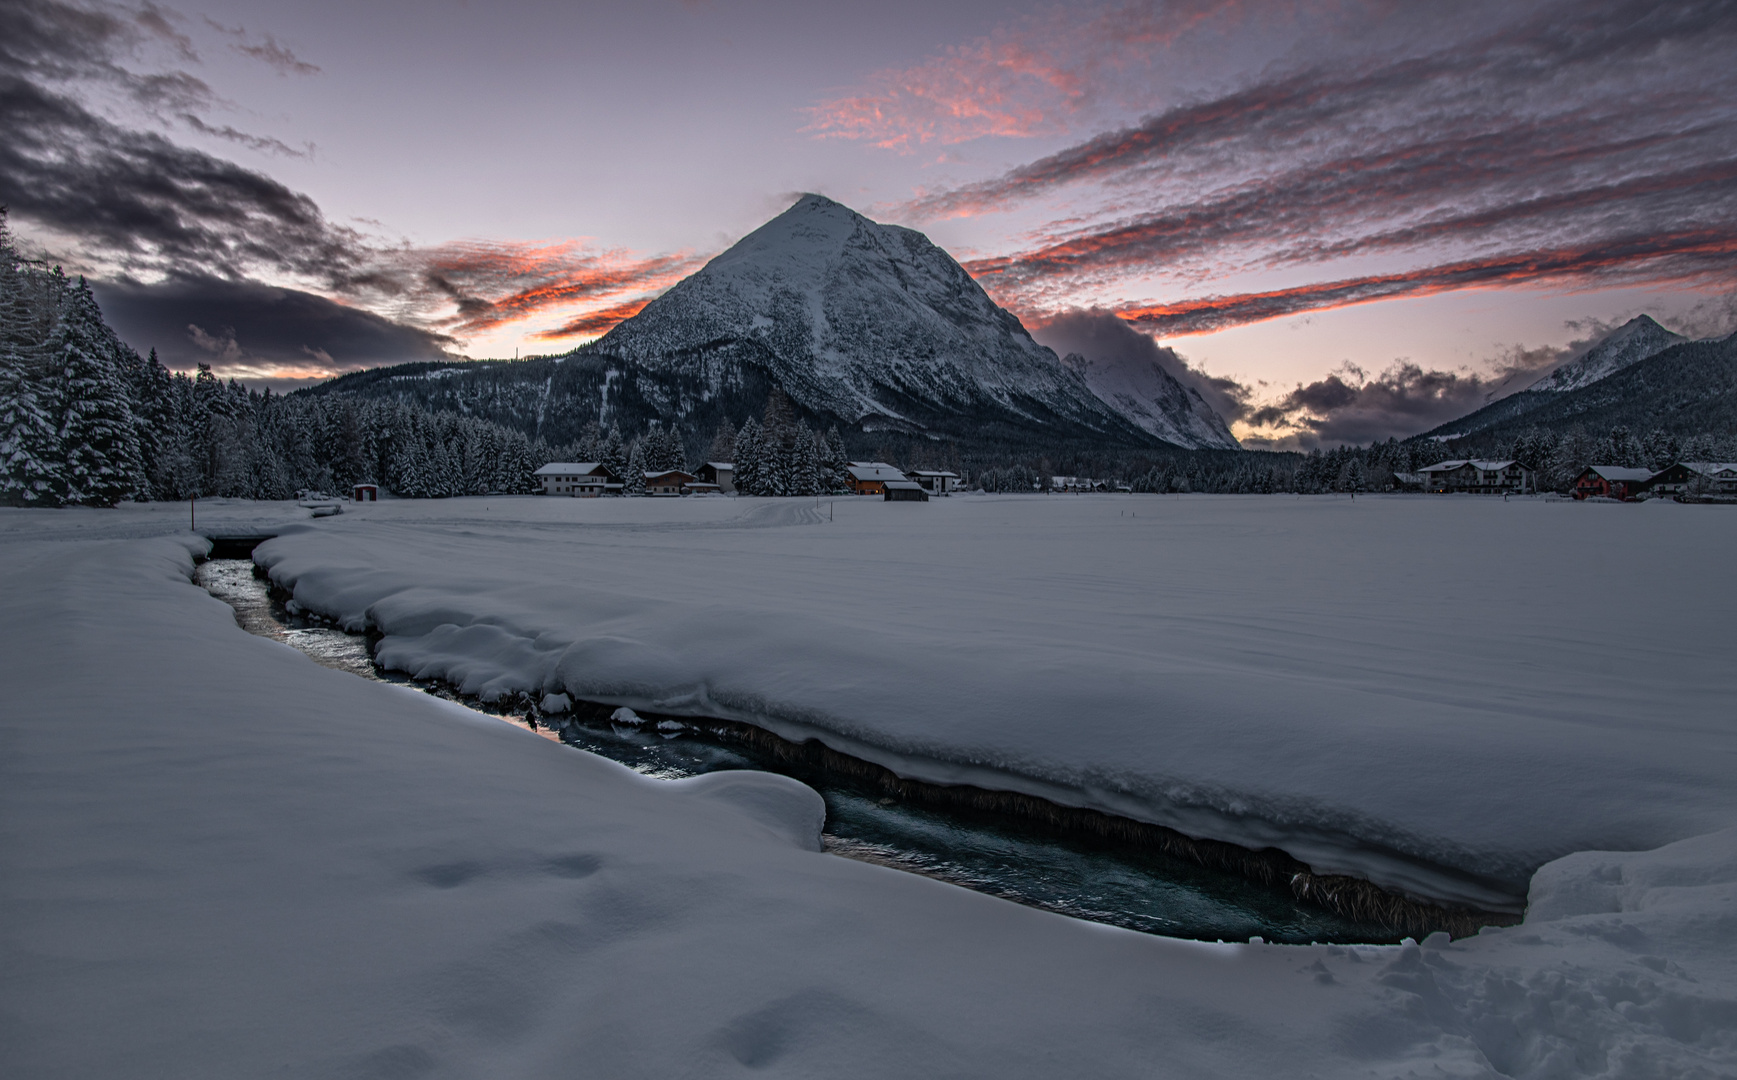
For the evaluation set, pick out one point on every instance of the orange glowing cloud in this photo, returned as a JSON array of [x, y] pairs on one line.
[[595, 322], [492, 284]]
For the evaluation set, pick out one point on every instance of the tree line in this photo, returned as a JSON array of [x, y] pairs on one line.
[[84, 420]]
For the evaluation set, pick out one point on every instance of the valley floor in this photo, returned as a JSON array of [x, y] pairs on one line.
[[218, 859]]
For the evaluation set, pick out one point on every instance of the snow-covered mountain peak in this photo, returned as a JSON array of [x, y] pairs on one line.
[[867, 322], [807, 237], [1628, 344]]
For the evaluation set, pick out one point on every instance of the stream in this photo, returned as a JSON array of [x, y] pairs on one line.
[[1084, 876]]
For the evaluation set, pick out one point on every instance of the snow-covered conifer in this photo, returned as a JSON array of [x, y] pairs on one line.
[[723, 446], [29, 472], [835, 462], [90, 408], [748, 479], [635, 481], [613, 455]]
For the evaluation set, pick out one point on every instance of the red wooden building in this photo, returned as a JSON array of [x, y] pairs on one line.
[[1610, 482]]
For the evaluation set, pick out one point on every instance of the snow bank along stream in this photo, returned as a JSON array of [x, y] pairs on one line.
[[1435, 696], [1070, 871]]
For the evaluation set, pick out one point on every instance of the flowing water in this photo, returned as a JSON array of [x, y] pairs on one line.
[[1084, 876]]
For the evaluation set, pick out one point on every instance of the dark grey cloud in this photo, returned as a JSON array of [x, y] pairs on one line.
[[1351, 407], [1348, 405], [239, 325], [134, 199], [1107, 339], [127, 204], [51, 42], [149, 204]]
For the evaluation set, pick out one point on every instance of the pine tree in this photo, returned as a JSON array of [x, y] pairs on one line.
[[635, 484], [663, 450], [723, 446], [804, 464], [1625, 449], [589, 447], [99, 449], [835, 463], [29, 474], [747, 475], [613, 456]]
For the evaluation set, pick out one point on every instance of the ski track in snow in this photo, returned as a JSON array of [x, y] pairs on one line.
[[219, 859]]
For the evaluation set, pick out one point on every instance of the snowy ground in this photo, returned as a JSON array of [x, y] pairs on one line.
[[1440, 695], [218, 859]]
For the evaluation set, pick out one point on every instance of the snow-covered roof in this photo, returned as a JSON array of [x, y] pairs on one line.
[[570, 468], [930, 472], [723, 466], [1709, 468], [660, 473], [1620, 474], [873, 470], [903, 485], [1476, 463]]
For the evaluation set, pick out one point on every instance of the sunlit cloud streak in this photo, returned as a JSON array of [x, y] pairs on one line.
[[1035, 77], [1574, 142], [1584, 62], [1692, 257]]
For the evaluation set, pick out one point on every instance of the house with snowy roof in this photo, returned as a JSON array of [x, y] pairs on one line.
[[1610, 482], [871, 477], [1477, 476], [581, 479], [717, 476], [935, 482], [1696, 477], [667, 481]]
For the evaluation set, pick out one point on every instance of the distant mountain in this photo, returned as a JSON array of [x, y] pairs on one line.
[[1144, 392], [1629, 344], [1687, 389]]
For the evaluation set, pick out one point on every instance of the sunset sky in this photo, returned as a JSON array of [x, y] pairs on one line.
[[1364, 215]]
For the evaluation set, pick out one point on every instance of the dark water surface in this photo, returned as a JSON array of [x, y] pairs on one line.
[[1079, 875]]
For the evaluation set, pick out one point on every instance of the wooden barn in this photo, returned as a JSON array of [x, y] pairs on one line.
[[872, 477], [668, 482], [904, 491]]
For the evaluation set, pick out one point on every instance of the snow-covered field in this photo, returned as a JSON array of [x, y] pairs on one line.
[[218, 859], [1438, 695]]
